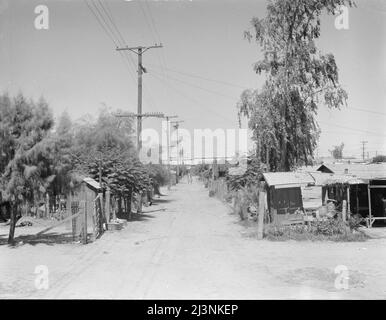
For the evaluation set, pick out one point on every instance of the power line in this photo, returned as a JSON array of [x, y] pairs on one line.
[[196, 102], [203, 78], [198, 87], [152, 21], [127, 57], [109, 15], [101, 23], [154, 32], [243, 87], [105, 21], [368, 111], [348, 128]]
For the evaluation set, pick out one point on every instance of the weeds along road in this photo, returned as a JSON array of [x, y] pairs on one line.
[[194, 249]]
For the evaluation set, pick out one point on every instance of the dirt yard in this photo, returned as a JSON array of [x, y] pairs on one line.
[[194, 249]]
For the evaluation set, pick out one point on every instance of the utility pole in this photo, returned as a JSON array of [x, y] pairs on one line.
[[139, 51], [168, 146], [176, 126], [363, 149]]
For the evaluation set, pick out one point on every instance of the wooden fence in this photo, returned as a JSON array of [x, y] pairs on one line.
[[85, 219], [249, 203]]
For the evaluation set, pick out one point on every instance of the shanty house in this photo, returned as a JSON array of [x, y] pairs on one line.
[[363, 185], [87, 191], [284, 194]]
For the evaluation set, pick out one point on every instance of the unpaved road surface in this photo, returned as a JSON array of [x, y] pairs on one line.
[[194, 249]]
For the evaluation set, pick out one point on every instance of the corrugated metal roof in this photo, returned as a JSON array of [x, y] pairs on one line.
[[361, 171], [322, 179], [288, 178], [93, 183]]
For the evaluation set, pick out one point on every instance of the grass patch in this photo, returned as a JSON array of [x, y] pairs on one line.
[[328, 230]]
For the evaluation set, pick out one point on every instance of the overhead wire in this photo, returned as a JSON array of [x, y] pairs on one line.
[[198, 87], [203, 78], [196, 102]]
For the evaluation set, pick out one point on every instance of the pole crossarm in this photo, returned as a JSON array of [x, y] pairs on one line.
[[143, 115], [176, 123], [137, 49]]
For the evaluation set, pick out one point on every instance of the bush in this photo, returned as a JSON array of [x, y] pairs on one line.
[[379, 158], [158, 173], [331, 230], [355, 221], [329, 227]]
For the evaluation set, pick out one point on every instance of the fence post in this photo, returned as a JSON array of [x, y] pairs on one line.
[[85, 222], [47, 206], [344, 210], [348, 202], [73, 220], [260, 224], [107, 205], [94, 218]]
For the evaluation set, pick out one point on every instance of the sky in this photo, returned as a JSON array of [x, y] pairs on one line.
[[200, 72]]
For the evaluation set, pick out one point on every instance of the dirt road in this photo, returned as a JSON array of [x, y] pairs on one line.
[[194, 249]]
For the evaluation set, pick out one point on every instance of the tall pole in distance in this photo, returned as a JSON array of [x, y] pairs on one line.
[[176, 126], [168, 147], [139, 51], [168, 150], [139, 110], [178, 156], [363, 149]]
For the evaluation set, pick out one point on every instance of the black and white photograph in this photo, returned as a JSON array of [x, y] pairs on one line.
[[172, 150]]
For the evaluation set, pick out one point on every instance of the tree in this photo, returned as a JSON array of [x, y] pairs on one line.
[[24, 176], [103, 149], [299, 78], [251, 176], [379, 158], [337, 151]]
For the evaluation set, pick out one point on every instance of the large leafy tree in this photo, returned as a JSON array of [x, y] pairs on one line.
[[24, 125], [299, 78], [104, 149], [337, 151], [379, 158]]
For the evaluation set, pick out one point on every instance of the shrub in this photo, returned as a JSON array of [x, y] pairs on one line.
[[331, 229], [355, 222]]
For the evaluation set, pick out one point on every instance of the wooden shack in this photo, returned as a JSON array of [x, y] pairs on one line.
[[362, 185], [284, 194], [83, 198], [87, 190]]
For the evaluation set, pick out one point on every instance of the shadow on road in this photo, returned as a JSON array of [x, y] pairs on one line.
[[156, 201], [48, 239]]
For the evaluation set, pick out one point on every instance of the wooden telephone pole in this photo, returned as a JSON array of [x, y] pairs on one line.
[[168, 146], [363, 149], [176, 126], [139, 51]]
